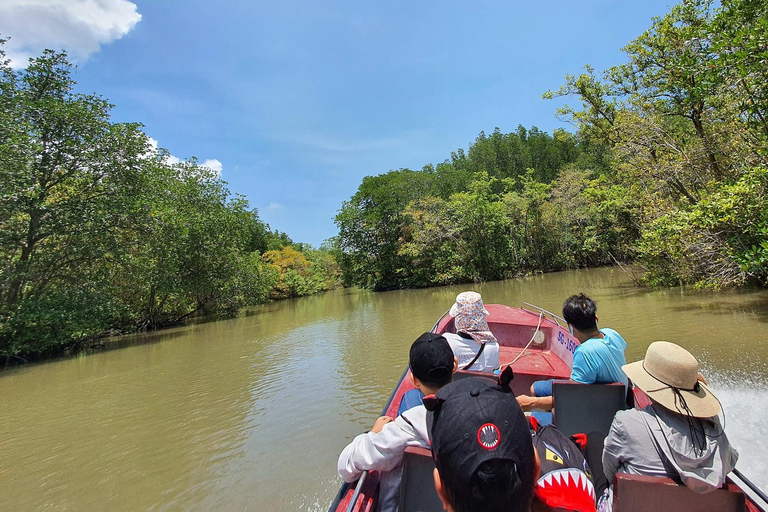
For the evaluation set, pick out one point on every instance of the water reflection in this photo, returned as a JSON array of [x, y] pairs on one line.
[[250, 413]]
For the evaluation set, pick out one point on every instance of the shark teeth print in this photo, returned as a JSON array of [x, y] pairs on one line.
[[564, 479]]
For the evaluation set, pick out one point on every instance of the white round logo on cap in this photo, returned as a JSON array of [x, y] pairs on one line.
[[488, 436]]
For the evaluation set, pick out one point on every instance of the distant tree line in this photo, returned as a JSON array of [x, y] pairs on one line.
[[512, 204], [667, 168], [100, 233]]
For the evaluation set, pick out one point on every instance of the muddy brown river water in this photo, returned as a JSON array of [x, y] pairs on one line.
[[251, 413]]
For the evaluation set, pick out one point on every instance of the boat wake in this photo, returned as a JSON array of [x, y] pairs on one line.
[[745, 402]]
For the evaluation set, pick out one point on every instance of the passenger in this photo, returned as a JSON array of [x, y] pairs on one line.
[[679, 435], [598, 359], [474, 345], [482, 447], [485, 457], [432, 364]]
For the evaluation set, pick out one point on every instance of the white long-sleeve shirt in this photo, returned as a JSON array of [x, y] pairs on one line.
[[383, 451]]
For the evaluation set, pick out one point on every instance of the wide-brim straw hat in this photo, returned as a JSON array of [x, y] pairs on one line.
[[669, 376]]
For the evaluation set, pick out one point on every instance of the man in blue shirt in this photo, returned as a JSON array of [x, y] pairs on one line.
[[597, 360]]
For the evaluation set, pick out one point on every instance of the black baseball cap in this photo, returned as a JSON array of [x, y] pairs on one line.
[[475, 420], [431, 359]]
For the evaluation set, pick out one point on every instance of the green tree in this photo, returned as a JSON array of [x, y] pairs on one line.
[[370, 225], [101, 234]]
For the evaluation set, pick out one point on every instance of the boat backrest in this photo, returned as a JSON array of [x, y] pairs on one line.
[[463, 374], [633, 493], [417, 491], [586, 408]]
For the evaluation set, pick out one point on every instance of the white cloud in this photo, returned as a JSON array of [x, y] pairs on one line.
[[210, 163], [79, 26], [275, 206], [213, 164], [170, 158]]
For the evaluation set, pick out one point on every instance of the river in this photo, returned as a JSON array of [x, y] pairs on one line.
[[251, 413]]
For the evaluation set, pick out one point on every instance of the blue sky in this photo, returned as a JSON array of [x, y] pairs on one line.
[[298, 101]]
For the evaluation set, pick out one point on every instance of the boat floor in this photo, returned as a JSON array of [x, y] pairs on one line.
[[532, 365]]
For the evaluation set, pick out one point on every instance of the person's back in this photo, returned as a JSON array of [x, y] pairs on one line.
[[432, 364], [679, 435], [482, 446], [600, 354], [474, 345], [599, 360], [655, 441]]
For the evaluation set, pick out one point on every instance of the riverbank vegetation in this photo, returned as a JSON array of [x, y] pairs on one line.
[[667, 168], [101, 233]]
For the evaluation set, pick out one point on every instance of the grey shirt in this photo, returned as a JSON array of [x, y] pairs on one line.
[[657, 442]]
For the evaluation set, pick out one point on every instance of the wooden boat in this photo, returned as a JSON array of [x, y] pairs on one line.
[[538, 345]]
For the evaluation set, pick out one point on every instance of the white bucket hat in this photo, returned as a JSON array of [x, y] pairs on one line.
[[669, 376]]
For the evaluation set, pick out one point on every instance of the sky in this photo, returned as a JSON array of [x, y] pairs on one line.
[[294, 102]]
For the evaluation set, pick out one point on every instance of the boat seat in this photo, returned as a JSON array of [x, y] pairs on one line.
[[586, 408], [417, 491], [633, 493]]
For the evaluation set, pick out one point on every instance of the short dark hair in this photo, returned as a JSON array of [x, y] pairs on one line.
[[495, 485], [579, 311]]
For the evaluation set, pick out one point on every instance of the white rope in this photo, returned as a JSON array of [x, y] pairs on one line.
[[541, 315]]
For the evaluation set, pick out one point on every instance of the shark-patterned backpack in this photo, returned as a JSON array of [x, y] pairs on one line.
[[564, 479]]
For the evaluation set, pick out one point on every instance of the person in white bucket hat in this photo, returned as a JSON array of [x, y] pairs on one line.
[[679, 435], [474, 345]]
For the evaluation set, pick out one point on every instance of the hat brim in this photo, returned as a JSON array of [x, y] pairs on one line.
[[702, 403], [456, 309]]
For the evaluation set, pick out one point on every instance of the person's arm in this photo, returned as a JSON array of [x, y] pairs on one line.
[[614, 448], [375, 450], [530, 403]]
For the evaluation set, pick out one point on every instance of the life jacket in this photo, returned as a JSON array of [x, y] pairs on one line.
[[564, 479]]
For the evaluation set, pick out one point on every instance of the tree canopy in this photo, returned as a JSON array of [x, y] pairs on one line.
[[667, 146], [101, 233]]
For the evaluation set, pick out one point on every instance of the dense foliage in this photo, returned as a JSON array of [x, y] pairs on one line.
[[686, 119], [514, 203], [667, 168], [100, 233]]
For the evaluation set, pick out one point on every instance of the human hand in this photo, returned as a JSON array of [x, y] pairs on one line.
[[526, 402], [380, 422]]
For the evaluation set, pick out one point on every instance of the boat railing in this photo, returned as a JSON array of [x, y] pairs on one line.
[[434, 327], [752, 490], [557, 318], [358, 487], [364, 476]]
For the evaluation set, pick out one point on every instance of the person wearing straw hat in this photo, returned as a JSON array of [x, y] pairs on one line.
[[679, 435], [474, 345]]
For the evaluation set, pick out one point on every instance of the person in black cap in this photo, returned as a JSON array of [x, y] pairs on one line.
[[482, 446], [432, 365]]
